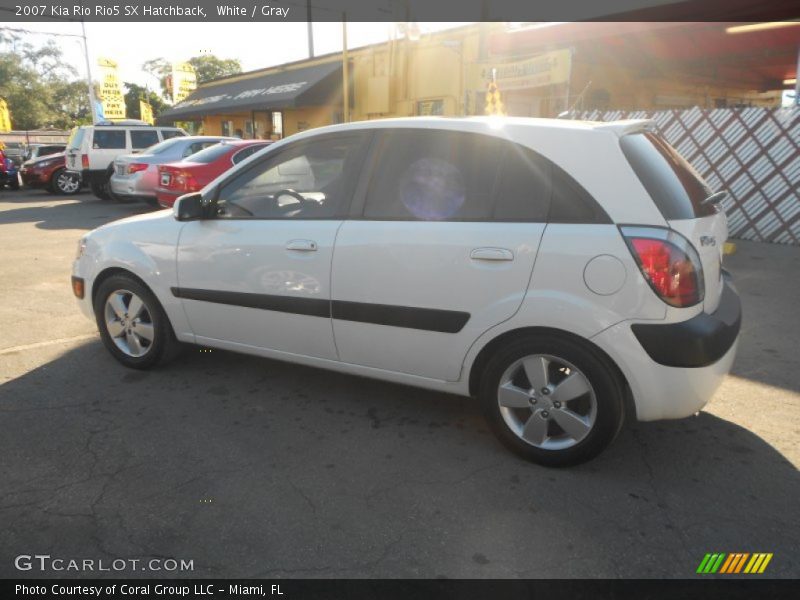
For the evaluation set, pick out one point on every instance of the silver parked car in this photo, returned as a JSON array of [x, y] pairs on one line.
[[135, 176]]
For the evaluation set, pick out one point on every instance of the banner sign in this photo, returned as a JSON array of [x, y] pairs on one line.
[[5, 117], [110, 92], [184, 81], [146, 112], [542, 70]]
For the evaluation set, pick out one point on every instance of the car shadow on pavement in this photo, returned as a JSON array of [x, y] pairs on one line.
[[86, 211], [253, 467]]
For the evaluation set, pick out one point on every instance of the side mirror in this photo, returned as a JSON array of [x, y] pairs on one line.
[[189, 207]]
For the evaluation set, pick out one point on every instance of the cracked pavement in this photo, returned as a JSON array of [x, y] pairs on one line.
[[255, 468]]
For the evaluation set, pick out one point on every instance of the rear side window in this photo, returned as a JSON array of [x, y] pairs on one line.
[[143, 139], [571, 203], [522, 188], [108, 140], [247, 152], [676, 188]]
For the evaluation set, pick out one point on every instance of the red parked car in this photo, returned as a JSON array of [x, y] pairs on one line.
[[196, 171], [49, 173]]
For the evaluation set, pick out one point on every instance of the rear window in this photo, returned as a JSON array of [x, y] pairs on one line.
[[676, 188], [161, 146], [171, 133], [143, 139], [210, 154]]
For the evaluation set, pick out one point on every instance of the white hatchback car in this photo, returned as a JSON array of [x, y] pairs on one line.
[[565, 273]]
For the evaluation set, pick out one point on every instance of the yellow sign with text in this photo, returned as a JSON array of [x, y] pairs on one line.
[[184, 81], [5, 117], [110, 91], [147, 112], [545, 69]]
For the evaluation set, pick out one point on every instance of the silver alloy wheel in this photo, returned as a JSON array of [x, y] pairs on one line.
[[129, 323], [547, 402], [66, 183]]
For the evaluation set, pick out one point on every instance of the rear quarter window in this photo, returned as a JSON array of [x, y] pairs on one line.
[[675, 187]]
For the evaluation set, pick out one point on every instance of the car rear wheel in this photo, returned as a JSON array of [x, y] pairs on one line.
[[551, 400], [99, 186], [132, 323], [63, 182]]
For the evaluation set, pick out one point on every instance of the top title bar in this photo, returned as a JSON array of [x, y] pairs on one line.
[[397, 10]]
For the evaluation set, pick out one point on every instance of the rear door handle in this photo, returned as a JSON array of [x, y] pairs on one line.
[[491, 254], [302, 245]]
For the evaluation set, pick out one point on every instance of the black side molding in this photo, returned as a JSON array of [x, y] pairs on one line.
[[698, 342], [410, 317]]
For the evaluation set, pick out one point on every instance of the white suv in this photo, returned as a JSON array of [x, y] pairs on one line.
[[565, 273], [91, 149]]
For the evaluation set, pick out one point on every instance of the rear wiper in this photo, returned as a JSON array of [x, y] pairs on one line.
[[715, 198]]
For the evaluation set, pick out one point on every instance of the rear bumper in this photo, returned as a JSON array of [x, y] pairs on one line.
[[664, 391], [698, 342], [141, 185]]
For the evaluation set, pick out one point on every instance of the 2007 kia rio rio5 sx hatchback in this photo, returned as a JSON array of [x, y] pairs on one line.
[[565, 273]]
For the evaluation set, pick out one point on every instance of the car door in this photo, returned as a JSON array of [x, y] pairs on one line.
[[257, 274], [442, 250]]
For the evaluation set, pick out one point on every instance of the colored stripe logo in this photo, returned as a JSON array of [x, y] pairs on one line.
[[734, 563]]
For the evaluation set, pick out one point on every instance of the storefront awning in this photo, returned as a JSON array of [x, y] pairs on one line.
[[308, 86]]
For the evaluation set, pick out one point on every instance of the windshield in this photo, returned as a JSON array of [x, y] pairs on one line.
[[210, 154]]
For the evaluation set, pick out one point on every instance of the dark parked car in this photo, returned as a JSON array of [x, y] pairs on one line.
[[16, 152], [50, 173]]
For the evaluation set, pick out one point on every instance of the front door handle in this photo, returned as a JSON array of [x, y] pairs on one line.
[[302, 245], [491, 254]]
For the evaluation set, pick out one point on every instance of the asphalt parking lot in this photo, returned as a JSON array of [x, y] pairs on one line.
[[255, 468]]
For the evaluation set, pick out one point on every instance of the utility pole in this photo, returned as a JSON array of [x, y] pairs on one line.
[[90, 88], [310, 26], [345, 71]]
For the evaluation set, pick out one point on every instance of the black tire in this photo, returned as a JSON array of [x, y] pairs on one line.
[[164, 345], [58, 183], [603, 381], [99, 186]]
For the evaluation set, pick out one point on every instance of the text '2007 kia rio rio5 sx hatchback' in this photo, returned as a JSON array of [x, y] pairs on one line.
[[566, 274]]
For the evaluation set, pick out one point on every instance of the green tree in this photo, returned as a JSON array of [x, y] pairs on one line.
[[206, 66], [41, 90], [134, 93]]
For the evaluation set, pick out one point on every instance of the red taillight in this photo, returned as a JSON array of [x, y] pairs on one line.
[[185, 181], [669, 263], [85, 161], [136, 167]]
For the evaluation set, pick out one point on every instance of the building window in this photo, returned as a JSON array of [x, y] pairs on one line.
[[248, 130], [227, 128], [430, 108], [277, 123]]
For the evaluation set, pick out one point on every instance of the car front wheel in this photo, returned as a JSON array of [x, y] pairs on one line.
[[552, 400], [132, 324]]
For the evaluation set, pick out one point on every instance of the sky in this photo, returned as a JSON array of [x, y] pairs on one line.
[[256, 45]]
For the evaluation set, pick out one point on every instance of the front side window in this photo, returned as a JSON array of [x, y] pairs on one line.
[[143, 139], [310, 180], [108, 140]]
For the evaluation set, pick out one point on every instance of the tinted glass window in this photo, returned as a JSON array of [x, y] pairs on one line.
[[109, 140], [45, 150], [433, 176], [247, 152], [522, 189], [571, 203], [171, 133], [210, 154], [308, 181], [162, 146], [143, 139], [676, 188]]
